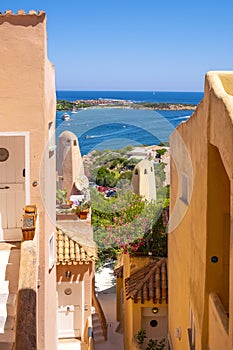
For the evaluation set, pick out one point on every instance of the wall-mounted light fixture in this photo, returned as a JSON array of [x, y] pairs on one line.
[[155, 310]]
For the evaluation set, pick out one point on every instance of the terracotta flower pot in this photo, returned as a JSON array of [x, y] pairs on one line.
[[83, 214]]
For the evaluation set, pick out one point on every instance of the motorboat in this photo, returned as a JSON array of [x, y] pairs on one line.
[[65, 116]]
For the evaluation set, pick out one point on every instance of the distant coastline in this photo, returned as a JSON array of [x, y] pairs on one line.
[[64, 105]]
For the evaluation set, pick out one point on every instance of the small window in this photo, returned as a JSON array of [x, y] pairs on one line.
[[192, 332], [4, 154], [51, 252], [51, 141], [136, 172], [184, 188], [145, 171]]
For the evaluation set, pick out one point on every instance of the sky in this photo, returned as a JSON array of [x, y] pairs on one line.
[[144, 45]]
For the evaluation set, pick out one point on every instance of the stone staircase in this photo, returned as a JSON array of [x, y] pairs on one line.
[[97, 329], [9, 274]]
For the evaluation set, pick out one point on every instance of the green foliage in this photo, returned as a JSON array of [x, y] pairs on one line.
[[61, 196], [156, 239], [63, 105], [156, 344], [126, 222], [159, 174], [161, 151], [141, 336], [126, 175], [105, 254], [164, 144], [107, 212], [105, 177]]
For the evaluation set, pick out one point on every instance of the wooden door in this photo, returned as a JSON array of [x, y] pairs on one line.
[[12, 186]]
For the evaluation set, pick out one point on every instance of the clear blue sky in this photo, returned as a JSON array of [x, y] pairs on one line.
[[143, 45]]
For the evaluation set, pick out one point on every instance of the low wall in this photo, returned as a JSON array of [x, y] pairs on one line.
[[27, 298]]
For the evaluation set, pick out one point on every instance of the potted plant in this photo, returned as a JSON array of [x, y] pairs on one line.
[[140, 336], [77, 210], [62, 198], [84, 210], [156, 344]]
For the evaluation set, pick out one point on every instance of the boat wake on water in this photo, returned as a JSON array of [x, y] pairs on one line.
[[104, 135]]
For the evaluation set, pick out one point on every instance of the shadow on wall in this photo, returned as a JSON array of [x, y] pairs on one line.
[[26, 320]]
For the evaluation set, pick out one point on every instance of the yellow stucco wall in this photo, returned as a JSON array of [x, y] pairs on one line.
[[28, 104], [200, 227], [132, 318]]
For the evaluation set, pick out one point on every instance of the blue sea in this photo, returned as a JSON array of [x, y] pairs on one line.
[[114, 128]]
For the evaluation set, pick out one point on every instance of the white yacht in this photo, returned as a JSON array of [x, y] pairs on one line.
[[65, 116]]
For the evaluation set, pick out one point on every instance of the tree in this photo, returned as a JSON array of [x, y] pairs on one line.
[[105, 177]]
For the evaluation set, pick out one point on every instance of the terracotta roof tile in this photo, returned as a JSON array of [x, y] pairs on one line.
[[71, 252], [119, 271], [149, 283]]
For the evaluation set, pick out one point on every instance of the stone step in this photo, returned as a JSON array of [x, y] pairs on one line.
[[4, 291], [4, 258], [11, 304], [95, 323], [14, 256], [6, 323], [97, 327], [99, 339], [6, 346], [97, 333], [95, 316], [7, 337], [12, 275]]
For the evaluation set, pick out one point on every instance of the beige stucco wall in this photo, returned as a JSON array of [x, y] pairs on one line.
[[69, 161], [143, 180], [197, 226], [28, 103], [79, 273]]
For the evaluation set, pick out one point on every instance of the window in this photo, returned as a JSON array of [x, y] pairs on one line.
[[184, 188], [145, 171], [192, 332], [136, 172], [153, 323], [51, 141], [51, 252]]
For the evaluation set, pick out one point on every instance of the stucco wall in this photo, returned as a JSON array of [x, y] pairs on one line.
[[143, 180], [27, 96], [133, 312], [79, 273], [194, 238]]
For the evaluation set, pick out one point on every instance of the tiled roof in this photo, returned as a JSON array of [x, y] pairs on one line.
[[118, 271], [69, 251], [149, 283]]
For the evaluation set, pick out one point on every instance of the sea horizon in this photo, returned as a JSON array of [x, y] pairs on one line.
[[185, 97]]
